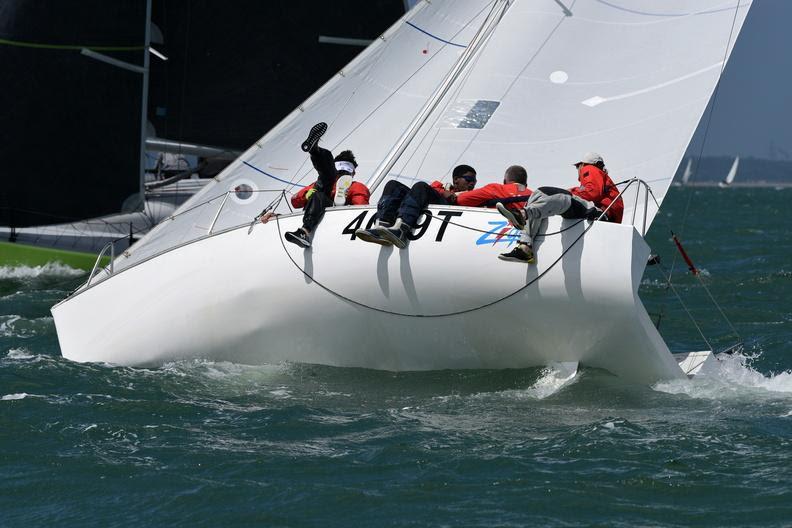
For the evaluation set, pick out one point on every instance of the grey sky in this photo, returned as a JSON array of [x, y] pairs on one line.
[[753, 110]]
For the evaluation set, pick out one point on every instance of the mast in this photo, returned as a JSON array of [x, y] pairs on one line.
[[482, 35], [144, 100]]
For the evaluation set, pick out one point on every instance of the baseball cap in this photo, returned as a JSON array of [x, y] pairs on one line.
[[590, 158]]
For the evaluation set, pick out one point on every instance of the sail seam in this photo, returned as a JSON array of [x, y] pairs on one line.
[[670, 15]]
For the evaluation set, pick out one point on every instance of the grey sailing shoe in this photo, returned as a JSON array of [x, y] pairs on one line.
[[514, 216]]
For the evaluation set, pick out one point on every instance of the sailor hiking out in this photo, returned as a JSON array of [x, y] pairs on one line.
[[595, 194], [400, 206], [512, 191], [334, 186]]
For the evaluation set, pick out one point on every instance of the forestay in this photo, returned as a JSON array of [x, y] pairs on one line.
[[556, 78]]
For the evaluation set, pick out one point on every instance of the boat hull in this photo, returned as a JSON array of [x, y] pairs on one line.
[[445, 302]]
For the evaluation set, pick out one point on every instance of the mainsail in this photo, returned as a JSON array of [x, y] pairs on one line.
[[554, 79]]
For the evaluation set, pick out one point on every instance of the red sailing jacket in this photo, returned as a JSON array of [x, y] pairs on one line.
[[596, 186], [358, 194], [492, 193]]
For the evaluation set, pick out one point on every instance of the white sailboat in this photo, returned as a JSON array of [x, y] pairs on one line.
[[488, 83], [731, 175], [686, 174]]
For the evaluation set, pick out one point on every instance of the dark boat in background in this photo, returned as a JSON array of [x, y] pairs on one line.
[[74, 155]]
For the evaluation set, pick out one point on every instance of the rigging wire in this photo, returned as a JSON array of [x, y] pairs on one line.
[[698, 277], [365, 119], [709, 121]]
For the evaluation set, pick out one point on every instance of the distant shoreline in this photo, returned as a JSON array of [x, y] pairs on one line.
[[744, 185]]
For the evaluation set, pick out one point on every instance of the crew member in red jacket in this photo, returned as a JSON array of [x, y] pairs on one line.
[[595, 187], [315, 198], [512, 191], [400, 206]]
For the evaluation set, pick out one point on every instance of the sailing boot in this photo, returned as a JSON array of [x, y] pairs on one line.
[[396, 234], [516, 217], [373, 236], [317, 131], [298, 237], [521, 253]]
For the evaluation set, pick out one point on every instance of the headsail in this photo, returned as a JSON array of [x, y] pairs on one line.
[[629, 80]]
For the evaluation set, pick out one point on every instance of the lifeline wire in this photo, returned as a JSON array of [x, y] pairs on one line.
[[459, 312]]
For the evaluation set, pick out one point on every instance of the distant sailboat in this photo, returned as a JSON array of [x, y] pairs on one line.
[[732, 173], [686, 175]]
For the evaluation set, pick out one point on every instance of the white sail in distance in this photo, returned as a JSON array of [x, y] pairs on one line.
[[688, 172], [553, 80], [732, 172]]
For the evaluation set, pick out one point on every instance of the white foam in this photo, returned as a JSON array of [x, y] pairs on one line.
[[15, 396], [19, 353], [56, 269], [7, 324], [552, 379], [730, 376], [15, 326]]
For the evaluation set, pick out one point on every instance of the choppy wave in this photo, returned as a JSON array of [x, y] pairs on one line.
[[14, 396], [731, 376], [53, 269], [20, 327]]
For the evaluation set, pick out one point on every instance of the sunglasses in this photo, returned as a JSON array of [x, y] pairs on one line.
[[469, 179]]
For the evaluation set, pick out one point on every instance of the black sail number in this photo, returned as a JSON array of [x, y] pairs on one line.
[[418, 232]]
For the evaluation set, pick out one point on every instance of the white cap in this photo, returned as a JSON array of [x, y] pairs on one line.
[[345, 166], [590, 158]]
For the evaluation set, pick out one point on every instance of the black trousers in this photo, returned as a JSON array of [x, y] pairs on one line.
[[322, 160], [407, 203]]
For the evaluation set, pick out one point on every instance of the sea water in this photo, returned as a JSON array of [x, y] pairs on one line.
[[199, 443]]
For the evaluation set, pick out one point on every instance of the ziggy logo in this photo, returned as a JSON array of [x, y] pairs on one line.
[[501, 232]]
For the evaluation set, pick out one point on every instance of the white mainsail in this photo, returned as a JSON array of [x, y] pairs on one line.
[[629, 80], [542, 82]]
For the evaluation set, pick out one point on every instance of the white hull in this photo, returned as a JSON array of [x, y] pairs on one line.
[[453, 304]]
